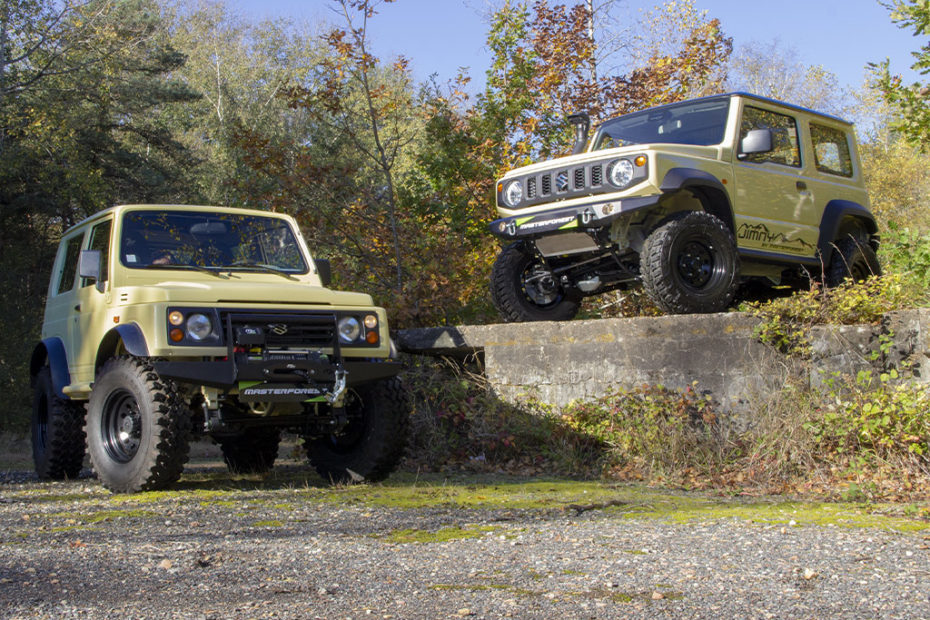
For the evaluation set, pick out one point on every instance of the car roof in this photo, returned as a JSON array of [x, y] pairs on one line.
[[745, 95]]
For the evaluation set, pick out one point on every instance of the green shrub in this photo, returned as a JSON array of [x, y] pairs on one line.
[[877, 424]]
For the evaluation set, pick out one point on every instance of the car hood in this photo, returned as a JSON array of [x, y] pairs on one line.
[[238, 292]]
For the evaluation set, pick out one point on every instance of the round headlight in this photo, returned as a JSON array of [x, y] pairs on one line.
[[349, 329], [621, 172], [513, 193], [199, 326]]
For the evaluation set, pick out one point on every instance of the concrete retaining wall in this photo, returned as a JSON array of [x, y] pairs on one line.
[[560, 362]]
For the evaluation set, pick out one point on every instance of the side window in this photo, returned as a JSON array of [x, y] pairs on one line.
[[100, 240], [831, 150], [784, 136], [68, 273]]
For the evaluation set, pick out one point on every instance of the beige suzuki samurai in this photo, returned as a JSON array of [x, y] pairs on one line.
[[164, 323], [692, 200]]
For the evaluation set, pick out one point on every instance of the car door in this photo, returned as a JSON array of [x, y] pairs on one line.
[[774, 205], [63, 290], [87, 323]]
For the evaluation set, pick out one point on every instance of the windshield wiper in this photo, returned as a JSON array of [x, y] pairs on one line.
[[212, 272], [262, 267]]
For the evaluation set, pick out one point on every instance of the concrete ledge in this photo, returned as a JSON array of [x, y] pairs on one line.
[[558, 362]]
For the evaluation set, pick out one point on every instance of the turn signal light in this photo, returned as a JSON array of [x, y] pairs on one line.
[[176, 335], [640, 161], [371, 337]]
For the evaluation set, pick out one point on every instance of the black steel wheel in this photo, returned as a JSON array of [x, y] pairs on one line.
[[138, 429], [689, 264], [523, 289], [57, 431], [371, 443]]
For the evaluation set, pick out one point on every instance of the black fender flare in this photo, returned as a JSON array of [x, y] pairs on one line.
[[51, 350], [832, 220], [709, 190], [132, 338]]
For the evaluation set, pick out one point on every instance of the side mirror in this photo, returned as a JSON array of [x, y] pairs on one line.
[[324, 270], [756, 141], [89, 265]]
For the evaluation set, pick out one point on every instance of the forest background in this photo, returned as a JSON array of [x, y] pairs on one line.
[[105, 102]]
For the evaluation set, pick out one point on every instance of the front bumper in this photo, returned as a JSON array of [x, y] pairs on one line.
[[262, 368], [566, 219]]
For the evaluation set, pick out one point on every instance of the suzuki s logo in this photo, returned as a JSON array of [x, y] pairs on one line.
[[278, 328]]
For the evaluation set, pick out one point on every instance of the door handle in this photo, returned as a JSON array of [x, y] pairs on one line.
[[801, 185]]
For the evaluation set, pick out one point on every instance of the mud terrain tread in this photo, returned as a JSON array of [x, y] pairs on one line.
[[507, 295], [659, 280], [61, 455], [164, 454], [852, 258], [376, 454]]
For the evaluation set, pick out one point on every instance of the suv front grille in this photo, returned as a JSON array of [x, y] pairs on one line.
[[316, 330], [580, 180]]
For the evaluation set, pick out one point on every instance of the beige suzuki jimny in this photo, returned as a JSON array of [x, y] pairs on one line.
[[164, 323], [692, 200]]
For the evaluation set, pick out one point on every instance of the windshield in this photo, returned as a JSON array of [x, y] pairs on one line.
[[206, 240], [700, 122]]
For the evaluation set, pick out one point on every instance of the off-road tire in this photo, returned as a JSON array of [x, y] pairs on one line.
[[57, 431], [516, 299], [138, 428], [372, 443], [852, 259], [253, 452], [689, 264]]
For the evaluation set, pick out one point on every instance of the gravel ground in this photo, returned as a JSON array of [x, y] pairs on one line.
[[70, 550]]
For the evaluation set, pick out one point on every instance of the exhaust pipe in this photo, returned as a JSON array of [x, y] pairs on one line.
[[582, 123]]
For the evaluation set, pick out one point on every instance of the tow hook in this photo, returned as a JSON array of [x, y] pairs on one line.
[[337, 395]]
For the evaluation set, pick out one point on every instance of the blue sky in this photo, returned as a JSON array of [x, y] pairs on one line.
[[439, 36]]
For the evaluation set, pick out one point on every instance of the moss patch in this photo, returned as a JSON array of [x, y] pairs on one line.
[[407, 536]]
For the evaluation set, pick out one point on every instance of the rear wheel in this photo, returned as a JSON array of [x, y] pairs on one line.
[[371, 443], [138, 429], [852, 260], [253, 452], [523, 289], [57, 431]]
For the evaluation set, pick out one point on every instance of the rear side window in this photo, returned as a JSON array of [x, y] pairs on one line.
[[784, 136], [831, 150], [68, 273]]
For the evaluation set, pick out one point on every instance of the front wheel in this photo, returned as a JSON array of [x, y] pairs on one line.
[[523, 289], [690, 265], [138, 429], [57, 431], [371, 443]]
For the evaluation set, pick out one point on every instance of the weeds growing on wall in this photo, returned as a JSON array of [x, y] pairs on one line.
[[858, 438]]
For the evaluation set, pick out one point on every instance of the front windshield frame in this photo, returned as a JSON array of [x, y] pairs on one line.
[[699, 122], [212, 240]]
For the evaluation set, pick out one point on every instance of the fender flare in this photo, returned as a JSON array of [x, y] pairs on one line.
[[833, 215], [132, 338], [708, 188], [51, 350]]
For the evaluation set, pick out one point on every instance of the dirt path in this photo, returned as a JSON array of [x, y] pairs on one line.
[[431, 547]]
